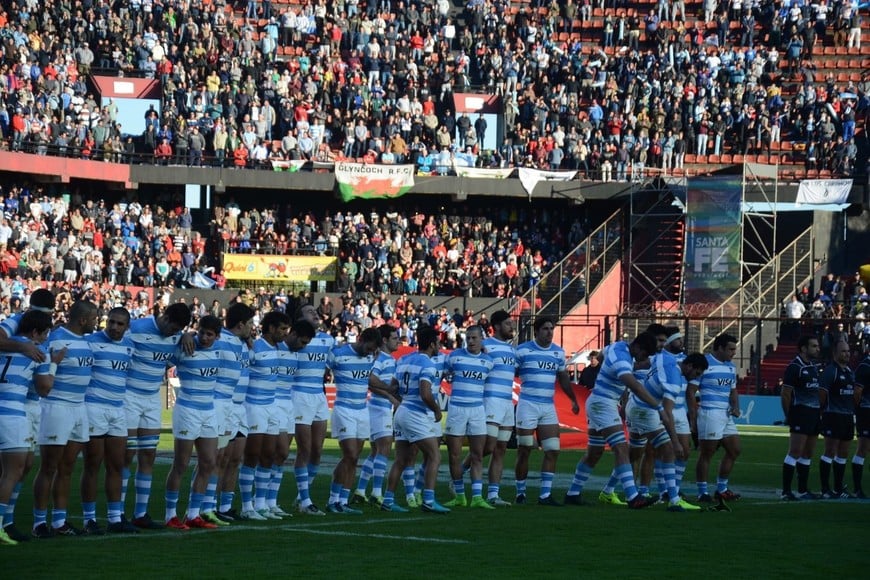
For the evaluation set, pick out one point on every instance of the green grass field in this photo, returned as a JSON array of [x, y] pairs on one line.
[[762, 537]]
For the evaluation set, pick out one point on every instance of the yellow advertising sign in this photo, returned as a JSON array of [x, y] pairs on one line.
[[279, 268]]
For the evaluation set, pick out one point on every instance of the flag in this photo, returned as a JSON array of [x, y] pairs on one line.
[[475, 172], [291, 165], [531, 177], [368, 181], [824, 191]]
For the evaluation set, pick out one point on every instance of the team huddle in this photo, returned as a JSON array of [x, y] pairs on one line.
[[241, 401]]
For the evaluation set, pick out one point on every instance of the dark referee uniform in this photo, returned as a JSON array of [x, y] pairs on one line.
[[838, 419], [803, 379]]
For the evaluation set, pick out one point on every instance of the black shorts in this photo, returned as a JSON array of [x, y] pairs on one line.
[[838, 426], [804, 420], [863, 421]]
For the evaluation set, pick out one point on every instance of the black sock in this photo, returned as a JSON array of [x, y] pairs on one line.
[[857, 476], [825, 475], [839, 475], [787, 477], [803, 473]]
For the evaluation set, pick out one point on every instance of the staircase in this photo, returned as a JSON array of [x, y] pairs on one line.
[[771, 369]]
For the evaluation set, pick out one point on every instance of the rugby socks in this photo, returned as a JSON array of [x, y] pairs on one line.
[[670, 477], [546, 483], [581, 476], [58, 518], [626, 479], [839, 473], [3, 508], [643, 490], [246, 487], [476, 488], [721, 484], [459, 486], [209, 500], [803, 474], [825, 473], [227, 498], [610, 487], [195, 505], [39, 517], [788, 469], [365, 475], [143, 494], [379, 472], [702, 488], [171, 505], [428, 496], [521, 487], [334, 492], [89, 511], [114, 512], [661, 481], [13, 499], [343, 495], [420, 478], [857, 473], [125, 482], [389, 498], [680, 469], [275, 479], [262, 477], [301, 474], [313, 468], [492, 490]]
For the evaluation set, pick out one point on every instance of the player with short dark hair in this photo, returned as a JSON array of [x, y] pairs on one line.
[[800, 406], [837, 401]]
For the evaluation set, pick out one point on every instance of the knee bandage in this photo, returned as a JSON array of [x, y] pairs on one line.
[[550, 444], [526, 440], [661, 439], [637, 441], [148, 441], [504, 435], [615, 439], [492, 430], [596, 441]]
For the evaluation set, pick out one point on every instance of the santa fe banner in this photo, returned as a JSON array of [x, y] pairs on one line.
[[823, 191], [279, 268], [365, 181], [713, 241], [530, 177], [475, 172]]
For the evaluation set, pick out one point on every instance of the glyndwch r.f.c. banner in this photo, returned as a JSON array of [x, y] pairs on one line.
[[713, 240], [369, 181]]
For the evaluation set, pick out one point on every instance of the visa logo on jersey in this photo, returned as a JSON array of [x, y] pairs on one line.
[[317, 357], [548, 366], [360, 374], [119, 365], [473, 375], [208, 372], [85, 361], [161, 356]]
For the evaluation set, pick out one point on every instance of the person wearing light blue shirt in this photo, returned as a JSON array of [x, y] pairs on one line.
[[718, 406], [351, 365], [540, 364], [194, 424], [63, 428], [18, 386], [467, 369], [605, 423], [104, 401]]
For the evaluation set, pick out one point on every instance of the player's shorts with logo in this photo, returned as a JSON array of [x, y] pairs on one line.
[[602, 413], [463, 421], [262, 419], [530, 415], [642, 420], [15, 433], [143, 411], [285, 415], [500, 411], [350, 423], [415, 426], [308, 407], [838, 426], [189, 424], [380, 421], [106, 420], [862, 420], [804, 420], [714, 424], [61, 423], [681, 421]]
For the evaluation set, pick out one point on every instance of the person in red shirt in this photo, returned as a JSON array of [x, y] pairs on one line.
[[240, 156], [163, 152]]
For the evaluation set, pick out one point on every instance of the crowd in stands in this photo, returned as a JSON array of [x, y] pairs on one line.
[[375, 79], [77, 240]]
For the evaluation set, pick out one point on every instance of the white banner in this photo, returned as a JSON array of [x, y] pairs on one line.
[[531, 177], [824, 191], [476, 172], [288, 164]]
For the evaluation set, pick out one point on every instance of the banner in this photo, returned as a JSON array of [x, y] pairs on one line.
[[279, 268], [366, 181], [291, 165], [713, 243], [824, 191], [474, 172], [531, 177]]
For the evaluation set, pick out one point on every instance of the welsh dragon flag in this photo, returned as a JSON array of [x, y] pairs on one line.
[[368, 181]]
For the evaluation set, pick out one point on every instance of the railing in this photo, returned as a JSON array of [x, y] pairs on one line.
[[568, 283]]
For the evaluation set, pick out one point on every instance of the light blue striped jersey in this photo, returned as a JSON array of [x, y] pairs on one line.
[[74, 371], [617, 362], [16, 381], [716, 383], [500, 380], [440, 361], [663, 381], [198, 375], [384, 369], [229, 349], [537, 368], [312, 362], [468, 374], [264, 368], [10, 324], [109, 374], [350, 370], [152, 352], [680, 399], [287, 369], [410, 371]]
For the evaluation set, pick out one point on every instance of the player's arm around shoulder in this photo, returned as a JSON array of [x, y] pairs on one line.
[[43, 377]]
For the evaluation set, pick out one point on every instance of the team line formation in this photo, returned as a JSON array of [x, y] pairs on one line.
[[241, 402]]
